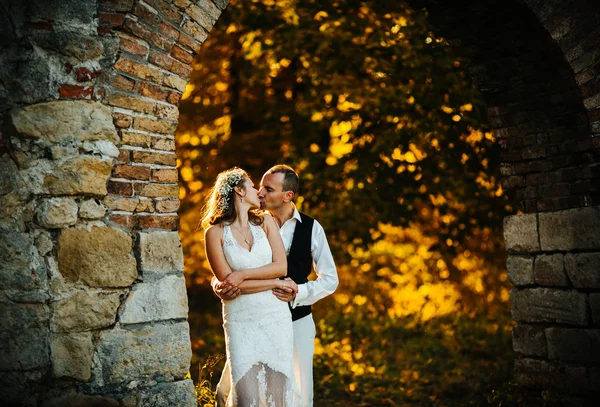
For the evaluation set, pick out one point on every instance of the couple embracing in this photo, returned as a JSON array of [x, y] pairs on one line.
[[261, 262]]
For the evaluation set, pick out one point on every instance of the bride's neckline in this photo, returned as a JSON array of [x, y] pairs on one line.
[[249, 250]]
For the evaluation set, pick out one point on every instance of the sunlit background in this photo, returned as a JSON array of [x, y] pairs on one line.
[[396, 161]]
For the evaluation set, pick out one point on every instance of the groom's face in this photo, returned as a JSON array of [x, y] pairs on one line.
[[271, 192]]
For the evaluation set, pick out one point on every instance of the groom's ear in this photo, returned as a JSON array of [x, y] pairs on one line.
[[288, 197]]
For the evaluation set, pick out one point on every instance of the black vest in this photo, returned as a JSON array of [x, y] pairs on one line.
[[300, 259]]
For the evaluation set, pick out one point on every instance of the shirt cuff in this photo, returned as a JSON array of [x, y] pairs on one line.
[[301, 296]]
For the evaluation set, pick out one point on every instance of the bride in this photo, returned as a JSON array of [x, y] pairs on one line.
[[244, 249]]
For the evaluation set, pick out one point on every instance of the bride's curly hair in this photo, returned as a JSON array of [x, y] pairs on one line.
[[220, 206]]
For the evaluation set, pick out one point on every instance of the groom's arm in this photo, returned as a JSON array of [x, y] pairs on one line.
[[327, 279]]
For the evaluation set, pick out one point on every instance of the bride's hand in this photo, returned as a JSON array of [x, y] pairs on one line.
[[288, 285], [235, 278]]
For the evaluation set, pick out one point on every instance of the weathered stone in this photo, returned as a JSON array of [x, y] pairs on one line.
[[542, 374], [529, 340], [81, 400], [101, 147], [157, 190], [21, 268], [583, 269], [60, 120], [158, 300], [91, 209], [118, 203], [595, 307], [549, 305], [55, 213], [520, 233], [99, 257], [574, 345], [549, 271], [179, 394], [166, 206], [23, 336], [520, 270], [160, 252], [161, 350], [72, 355], [13, 194], [84, 311], [573, 229], [84, 175], [20, 388]]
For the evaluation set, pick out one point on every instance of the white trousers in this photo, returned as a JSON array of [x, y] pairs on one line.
[[304, 350]]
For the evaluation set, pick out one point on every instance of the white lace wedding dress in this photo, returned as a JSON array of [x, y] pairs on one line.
[[258, 334]]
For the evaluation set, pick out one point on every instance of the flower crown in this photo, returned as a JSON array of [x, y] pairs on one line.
[[225, 183]]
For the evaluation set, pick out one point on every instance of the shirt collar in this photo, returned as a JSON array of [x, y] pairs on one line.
[[296, 214]]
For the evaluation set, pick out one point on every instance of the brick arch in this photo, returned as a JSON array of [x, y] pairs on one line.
[[537, 66]]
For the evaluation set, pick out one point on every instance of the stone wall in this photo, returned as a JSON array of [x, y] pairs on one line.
[[92, 293], [537, 66]]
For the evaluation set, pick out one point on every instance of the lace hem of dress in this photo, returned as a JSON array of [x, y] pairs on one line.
[[264, 386]]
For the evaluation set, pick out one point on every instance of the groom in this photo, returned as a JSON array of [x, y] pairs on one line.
[[305, 245]]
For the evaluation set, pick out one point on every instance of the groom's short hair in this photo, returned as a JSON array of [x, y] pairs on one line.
[[290, 178]]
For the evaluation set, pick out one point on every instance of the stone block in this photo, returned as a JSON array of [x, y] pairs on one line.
[[529, 340], [65, 119], [85, 310], [160, 252], [56, 213], [595, 307], [549, 270], [158, 300], [574, 345], [80, 400], [23, 336], [583, 269], [160, 350], [99, 257], [179, 394], [542, 374], [549, 305], [573, 229], [520, 233], [21, 267], [520, 270], [91, 209], [72, 355], [83, 175], [20, 388]]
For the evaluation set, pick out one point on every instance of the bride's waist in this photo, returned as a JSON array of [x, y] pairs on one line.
[[263, 303]]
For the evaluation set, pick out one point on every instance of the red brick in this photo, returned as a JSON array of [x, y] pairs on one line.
[[168, 30], [153, 190], [165, 144], [165, 175], [118, 203], [119, 188], [68, 91], [135, 139], [164, 8], [124, 155], [162, 42], [122, 120], [210, 8], [181, 54], [168, 205], [153, 91], [83, 74], [174, 98], [158, 222], [130, 102], [190, 43], [137, 172], [138, 69], [137, 29], [109, 21], [123, 82], [181, 69], [160, 59], [134, 47], [128, 221], [143, 12], [195, 31], [200, 16], [116, 5], [154, 126], [154, 158]]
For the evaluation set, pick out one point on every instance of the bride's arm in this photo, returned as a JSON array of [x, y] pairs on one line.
[[213, 243], [278, 268], [256, 286]]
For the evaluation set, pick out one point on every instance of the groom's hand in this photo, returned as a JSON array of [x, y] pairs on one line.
[[285, 294]]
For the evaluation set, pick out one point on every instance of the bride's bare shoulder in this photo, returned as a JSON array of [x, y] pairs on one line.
[[214, 231]]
